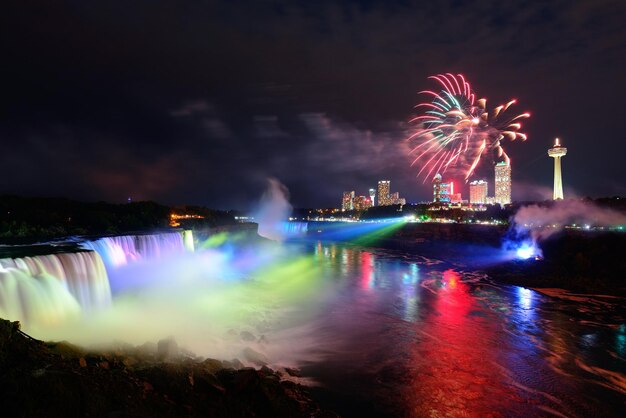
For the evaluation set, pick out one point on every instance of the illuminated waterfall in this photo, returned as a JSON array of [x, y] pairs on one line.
[[293, 229], [120, 250], [46, 289], [188, 240]]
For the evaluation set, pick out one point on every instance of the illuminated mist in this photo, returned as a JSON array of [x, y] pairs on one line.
[[274, 209], [545, 221], [534, 223], [215, 303]]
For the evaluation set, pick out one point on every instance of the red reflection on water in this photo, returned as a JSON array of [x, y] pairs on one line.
[[367, 270], [450, 367]]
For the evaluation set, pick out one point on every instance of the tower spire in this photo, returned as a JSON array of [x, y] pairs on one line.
[[556, 152]]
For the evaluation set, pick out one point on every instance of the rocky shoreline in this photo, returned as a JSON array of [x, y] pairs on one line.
[[591, 263], [60, 379]]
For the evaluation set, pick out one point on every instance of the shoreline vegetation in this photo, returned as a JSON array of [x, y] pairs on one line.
[[25, 220]]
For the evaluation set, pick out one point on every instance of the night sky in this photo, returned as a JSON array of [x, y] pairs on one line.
[[200, 102]]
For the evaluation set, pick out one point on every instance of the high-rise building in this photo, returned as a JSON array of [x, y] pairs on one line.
[[347, 203], [478, 192], [436, 187], [373, 196], [383, 193], [442, 191], [395, 199], [556, 152], [362, 202], [503, 183]]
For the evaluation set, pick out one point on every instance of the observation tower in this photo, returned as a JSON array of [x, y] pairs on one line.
[[556, 152]]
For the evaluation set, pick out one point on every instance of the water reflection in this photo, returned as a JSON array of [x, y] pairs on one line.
[[451, 374], [367, 270], [412, 337]]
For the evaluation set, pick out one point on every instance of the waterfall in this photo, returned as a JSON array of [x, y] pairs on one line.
[[188, 240], [120, 250], [46, 289], [293, 229]]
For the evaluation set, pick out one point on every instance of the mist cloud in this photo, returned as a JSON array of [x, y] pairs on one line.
[[544, 221]]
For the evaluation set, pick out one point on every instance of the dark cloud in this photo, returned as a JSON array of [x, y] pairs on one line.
[[200, 102]]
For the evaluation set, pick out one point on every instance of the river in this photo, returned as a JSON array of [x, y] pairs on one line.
[[407, 335], [374, 331]]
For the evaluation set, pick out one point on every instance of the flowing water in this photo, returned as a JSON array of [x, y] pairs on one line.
[[406, 335], [375, 331]]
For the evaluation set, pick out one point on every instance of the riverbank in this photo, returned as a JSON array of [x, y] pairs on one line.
[[591, 262], [60, 379]]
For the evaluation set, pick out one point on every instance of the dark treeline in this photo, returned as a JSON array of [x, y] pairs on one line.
[[37, 218]]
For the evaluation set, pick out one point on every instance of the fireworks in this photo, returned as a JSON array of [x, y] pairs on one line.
[[455, 129]]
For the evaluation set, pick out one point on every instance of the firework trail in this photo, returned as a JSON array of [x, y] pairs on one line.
[[455, 129]]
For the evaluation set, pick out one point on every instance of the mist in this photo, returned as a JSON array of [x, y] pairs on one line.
[[544, 221], [215, 303], [273, 211]]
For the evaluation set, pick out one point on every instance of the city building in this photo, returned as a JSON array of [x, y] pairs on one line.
[[503, 183], [478, 190], [383, 193], [442, 192], [373, 196], [362, 202], [436, 187], [455, 198], [556, 152], [347, 203]]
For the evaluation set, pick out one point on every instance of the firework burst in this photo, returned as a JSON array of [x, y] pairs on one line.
[[456, 130]]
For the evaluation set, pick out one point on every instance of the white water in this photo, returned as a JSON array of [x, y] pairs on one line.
[[120, 250], [46, 290], [294, 229], [214, 302]]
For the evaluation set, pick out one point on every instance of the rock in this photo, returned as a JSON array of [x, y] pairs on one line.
[[267, 371], [212, 365], [255, 357], [210, 385], [233, 364], [167, 349], [129, 361], [147, 349], [293, 372], [66, 349], [39, 380]]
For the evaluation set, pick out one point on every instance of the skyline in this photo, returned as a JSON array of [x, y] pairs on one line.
[[201, 104]]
